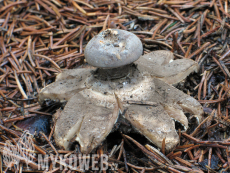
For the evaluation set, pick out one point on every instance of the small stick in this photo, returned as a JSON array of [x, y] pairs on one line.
[[218, 153], [121, 148], [174, 155], [158, 27], [20, 86], [45, 6], [173, 12], [105, 23], [198, 32], [162, 15], [199, 126], [9, 131], [218, 63], [125, 160], [201, 84], [78, 7], [188, 50], [11, 4], [199, 50], [217, 11], [29, 51], [183, 161], [66, 36], [48, 69], [209, 157], [209, 32], [40, 72], [47, 58], [49, 142]]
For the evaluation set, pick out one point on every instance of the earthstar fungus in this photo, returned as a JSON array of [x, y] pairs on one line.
[[142, 87]]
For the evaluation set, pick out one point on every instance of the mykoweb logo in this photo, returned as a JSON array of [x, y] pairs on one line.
[[77, 162], [23, 151]]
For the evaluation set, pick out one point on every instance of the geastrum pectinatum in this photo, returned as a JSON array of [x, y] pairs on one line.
[[123, 80]]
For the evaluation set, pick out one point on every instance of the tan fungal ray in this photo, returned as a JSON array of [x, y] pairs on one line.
[[67, 84], [154, 123], [84, 121], [176, 113], [160, 64], [175, 100], [78, 73]]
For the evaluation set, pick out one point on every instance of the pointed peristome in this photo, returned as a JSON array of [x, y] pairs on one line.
[[113, 48]]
